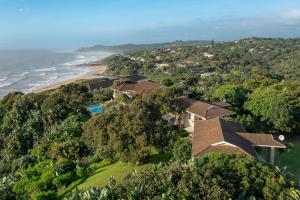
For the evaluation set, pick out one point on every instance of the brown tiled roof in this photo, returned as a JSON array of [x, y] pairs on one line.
[[146, 85], [205, 110], [183, 101], [262, 139], [132, 78], [221, 104], [208, 111], [101, 83], [137, 88], [125, 87], [208, 132], [218, 135]]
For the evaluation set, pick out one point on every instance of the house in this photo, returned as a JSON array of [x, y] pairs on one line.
[[133, 89], [190, 110], [132, 78], [208, 55], [218, 135], [207, 74], [100, 83], [162, 65]]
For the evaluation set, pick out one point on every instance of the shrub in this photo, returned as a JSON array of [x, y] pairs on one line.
[[182, 150]]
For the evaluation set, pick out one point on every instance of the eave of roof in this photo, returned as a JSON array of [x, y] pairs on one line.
[[262, 139]]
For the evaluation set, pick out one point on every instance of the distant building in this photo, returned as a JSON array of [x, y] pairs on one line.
[[206, 74], [251, 50], [162, 65], [208, 55]]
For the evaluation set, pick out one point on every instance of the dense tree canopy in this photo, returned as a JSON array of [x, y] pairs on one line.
[[275, 106], [233, 94], [128, 131]]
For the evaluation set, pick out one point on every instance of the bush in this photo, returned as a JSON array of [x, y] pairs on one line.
[[167, 82], [182, 150], [49, 195], [101, 95]]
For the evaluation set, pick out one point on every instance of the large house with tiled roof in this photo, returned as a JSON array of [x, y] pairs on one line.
[[108, 82], [187, 111], [133, 89], [100, 83], [218, 135]]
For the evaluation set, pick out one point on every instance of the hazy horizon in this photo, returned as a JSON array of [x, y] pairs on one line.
[[32, 24]]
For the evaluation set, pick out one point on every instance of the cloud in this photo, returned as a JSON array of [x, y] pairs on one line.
[[21, 9], [292, 14]]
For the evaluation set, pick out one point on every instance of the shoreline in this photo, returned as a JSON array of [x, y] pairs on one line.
[[95, 72]]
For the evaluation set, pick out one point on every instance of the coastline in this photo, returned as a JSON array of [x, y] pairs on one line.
[[95, 72]]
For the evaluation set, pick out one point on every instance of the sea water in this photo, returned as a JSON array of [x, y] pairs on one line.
[[28, 70]]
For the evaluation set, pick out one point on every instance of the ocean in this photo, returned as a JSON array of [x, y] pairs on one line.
[[28, 70]]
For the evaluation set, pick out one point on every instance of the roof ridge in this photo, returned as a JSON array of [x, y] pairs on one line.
[[221, 127]]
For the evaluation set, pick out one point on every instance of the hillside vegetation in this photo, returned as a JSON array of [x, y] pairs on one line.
[[51, 147]]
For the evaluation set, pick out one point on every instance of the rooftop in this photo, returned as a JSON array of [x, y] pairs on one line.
[[218, 135], [132, 78], [202, 109], [137, 88], [100, 83]]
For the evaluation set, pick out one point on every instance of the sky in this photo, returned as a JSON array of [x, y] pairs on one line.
[[63, 24]]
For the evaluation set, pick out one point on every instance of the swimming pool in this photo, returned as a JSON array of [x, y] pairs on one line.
[[95, 108]]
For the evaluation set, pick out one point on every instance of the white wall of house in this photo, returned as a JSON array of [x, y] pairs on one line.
[[189, 120]]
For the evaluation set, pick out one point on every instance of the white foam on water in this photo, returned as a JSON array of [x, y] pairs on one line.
[[42, 77], [48, 69], [3, 79], [3, 85], [21, 75]]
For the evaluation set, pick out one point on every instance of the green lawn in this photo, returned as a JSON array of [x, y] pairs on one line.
[[291, 160], [119, 170], [101, 176]]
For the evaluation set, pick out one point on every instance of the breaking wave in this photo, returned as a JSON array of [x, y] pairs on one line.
[[48, 69]]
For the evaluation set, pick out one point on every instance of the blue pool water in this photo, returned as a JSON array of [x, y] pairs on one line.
[[95, 108]]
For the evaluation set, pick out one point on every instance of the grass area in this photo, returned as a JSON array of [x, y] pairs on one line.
[[291, 160], [101, 176]]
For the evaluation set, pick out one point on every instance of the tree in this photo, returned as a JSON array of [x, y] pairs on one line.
[[182, 150], [127, 131], [233, 94], [167, 82], [101, 95], [275, 107]]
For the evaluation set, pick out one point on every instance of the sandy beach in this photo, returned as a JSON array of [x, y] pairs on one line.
[[96, 72]]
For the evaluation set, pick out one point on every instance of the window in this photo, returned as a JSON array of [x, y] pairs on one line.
[[189, 115]]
